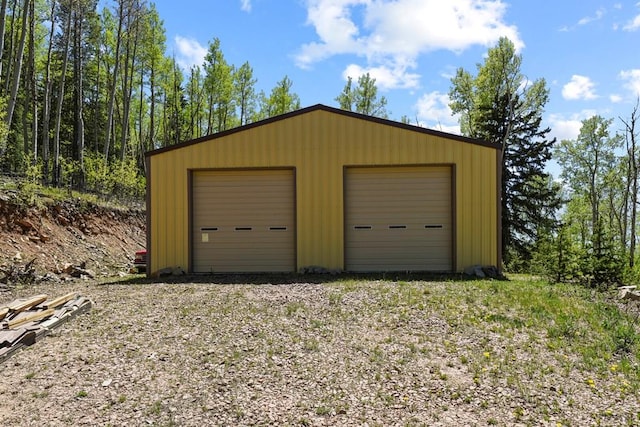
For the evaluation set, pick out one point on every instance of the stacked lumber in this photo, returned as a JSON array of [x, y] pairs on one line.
[[27, 320]]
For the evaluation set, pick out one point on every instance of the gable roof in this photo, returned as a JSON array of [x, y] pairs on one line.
[[328, 109]]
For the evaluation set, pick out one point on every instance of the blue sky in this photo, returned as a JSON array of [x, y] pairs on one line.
[[587, 51]]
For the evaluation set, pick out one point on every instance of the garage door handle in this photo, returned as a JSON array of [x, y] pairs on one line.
[[278, 228], [362, 227], [244, 228], [209, 229], [433, 226], [397, 226]]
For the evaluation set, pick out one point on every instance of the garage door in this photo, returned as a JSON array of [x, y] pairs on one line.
[[243, 221], [398, 219]]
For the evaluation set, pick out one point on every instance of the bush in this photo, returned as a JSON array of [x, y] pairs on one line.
[[118, 178]]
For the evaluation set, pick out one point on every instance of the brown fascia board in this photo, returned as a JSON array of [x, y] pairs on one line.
[[334, 110]]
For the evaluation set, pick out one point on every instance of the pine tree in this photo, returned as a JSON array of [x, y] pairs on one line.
[[500, 105]]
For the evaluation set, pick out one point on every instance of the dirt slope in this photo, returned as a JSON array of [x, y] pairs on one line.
[[55, 233]]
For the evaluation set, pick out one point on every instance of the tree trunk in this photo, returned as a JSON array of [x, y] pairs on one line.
[[10, 50], [3, 20], [56, 136], [127, 86], [152, 107], [78, 96], [47, 101], [11, 105], [34, 87], [112, 89], [630, 128]]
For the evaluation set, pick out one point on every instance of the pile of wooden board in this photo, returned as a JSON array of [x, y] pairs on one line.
[[27, 320]]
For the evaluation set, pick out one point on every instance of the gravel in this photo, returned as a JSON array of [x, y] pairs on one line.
[[299, 354]]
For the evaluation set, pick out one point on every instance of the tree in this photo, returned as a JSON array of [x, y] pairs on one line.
[[631, 142], [113, 84], [586, 165], [17, 67], [502, 106], [195, 110], [46, 110], [218, 84], [61, 90], [245, 92], [591, 171], [155, 50], [364, 98], [281, 100]]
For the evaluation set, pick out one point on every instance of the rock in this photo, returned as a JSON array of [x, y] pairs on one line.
[[482, 272], [26, 225], [77, 270], [629, 294], [49, 277], [491, 271], [67, 268], [163, 272], [178, 271], [475, 270]]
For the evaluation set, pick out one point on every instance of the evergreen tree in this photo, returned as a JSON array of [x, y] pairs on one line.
[[500, 105]]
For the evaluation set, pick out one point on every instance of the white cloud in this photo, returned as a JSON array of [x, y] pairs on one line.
[[245, 5], [587, 19], [580, 87], [633, 25], [386, 77], [615, 98], [189, 52], [632, 78], [434, 112], [392, 34], [568, 127]]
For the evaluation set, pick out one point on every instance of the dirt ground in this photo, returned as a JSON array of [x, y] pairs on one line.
[[302, 354], [55, 233]]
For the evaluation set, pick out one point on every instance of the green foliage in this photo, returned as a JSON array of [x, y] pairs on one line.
[[4, 130], [281, 100], [554, 256], [502, 106], [120, 179], [363, 98], [592, 173]]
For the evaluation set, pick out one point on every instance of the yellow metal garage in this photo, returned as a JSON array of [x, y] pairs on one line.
[[288, 192]]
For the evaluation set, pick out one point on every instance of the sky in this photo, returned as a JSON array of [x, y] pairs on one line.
[[587, 51]]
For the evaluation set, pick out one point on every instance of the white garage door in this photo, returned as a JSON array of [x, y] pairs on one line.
[[398, 219], [243, 221]]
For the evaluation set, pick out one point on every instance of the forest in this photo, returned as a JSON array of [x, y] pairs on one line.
[[86, 92]]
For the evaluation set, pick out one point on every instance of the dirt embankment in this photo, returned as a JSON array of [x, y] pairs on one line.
[[58, 233]]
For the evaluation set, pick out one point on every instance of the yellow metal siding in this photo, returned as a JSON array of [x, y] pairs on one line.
[[319, 144]]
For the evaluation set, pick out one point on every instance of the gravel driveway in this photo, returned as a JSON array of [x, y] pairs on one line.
[[316, 354]]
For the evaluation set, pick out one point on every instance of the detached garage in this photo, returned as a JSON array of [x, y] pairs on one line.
[[327, 188]]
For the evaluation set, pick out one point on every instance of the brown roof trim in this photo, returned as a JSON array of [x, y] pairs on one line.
[[330, 110]]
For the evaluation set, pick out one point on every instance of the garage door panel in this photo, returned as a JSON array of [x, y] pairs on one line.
[[398, 218], [243, 221]]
